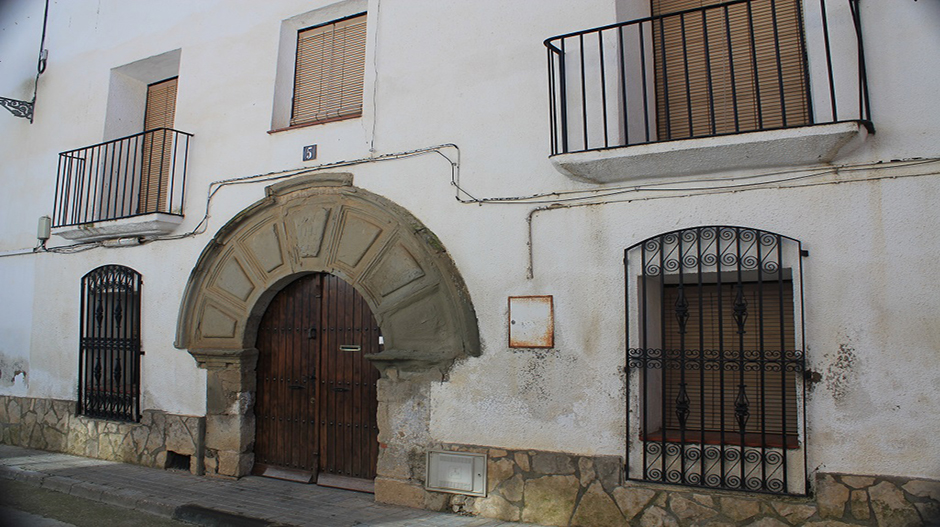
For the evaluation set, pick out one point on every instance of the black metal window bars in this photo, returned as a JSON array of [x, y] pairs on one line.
[[715, 393], [735, 67], [131, 176], [109, 350]]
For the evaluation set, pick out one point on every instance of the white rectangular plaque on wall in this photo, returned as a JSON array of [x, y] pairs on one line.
[[456, 473], [531, 322]]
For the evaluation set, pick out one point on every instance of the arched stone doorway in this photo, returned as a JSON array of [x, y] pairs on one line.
[[323, 224]]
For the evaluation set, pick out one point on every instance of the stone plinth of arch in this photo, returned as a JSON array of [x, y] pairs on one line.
[[318, 223]]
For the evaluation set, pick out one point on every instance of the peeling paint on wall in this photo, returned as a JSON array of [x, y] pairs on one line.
[[12, 371], [841, 373]]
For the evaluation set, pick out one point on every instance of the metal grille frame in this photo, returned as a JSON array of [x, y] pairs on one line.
[[109, 349], [756, 448]]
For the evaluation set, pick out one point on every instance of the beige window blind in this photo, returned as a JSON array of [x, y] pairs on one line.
[[329, 71], [694, 55], [712, 327], [157, 146]]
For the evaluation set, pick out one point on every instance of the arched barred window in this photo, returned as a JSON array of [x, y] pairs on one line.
[[714, 360], [109, 349]]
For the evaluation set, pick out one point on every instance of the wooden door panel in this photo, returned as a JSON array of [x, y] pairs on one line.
[[348, 383], [316, 400], [285, 408]]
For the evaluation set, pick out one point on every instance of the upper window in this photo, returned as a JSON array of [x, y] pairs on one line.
[[158, 148], [328, 74], [736, 68], [714, 360], [109, 348], [140, 168]]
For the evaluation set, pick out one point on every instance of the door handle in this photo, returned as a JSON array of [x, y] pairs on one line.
[[312, 333]]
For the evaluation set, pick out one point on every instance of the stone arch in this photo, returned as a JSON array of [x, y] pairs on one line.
[[317, 223], [322, 223]]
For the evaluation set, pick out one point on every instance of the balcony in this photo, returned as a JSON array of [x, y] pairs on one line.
[[132, 186], [744, 84]]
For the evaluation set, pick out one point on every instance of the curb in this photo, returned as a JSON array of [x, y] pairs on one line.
[[133, 499]]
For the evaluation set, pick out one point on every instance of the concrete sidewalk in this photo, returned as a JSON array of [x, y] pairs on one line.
[[250, 501]]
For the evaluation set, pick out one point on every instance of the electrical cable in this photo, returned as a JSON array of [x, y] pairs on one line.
[[573, 198]]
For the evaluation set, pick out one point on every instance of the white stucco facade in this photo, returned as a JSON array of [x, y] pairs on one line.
[[473, 75]]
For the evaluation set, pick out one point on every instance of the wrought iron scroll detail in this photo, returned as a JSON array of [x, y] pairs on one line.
[[715, 370], [18, 108]]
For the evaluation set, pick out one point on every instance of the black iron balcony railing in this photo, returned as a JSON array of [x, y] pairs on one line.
[[735, 67], [132, 176]]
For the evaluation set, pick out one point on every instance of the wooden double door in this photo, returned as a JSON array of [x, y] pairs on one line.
[[316, 398]]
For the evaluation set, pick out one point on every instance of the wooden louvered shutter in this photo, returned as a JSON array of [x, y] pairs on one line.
[[329, 71], [768, 329], [694, 55], [157, 146]]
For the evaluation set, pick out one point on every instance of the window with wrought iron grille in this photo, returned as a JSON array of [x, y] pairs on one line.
[[109, 348], [714, 360], [329, 71]]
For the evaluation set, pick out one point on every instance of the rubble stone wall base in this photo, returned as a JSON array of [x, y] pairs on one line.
[[159, 440], [552, 488]]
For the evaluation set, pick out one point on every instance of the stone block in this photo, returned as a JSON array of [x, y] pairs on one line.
[[497, 452], [156, 439], [609, 471], [858, 482], [793, 512], [512, 489], [831, 497], [739, 509], [229, 432], [522, 459], [586, 470], [768, 522], [396, 492], [235, 464], [179, 438], [657, 517], [552, 463], [498, 472], [858, 505], [688, 511], [890, 506], [210, 464], [632, 500], [929, 512], [707, 501], [550, 500], [55, 439], [496, 507], [597, 509], [393, 462], [924, 488], [159, 459]]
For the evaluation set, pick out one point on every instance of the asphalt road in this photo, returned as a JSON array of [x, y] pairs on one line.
[[23, 505]]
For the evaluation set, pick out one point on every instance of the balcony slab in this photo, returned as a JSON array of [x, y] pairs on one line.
[[804, 146], [155, 224]]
